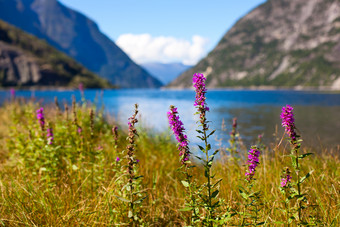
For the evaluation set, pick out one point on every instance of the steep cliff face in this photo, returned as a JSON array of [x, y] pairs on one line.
[[77, 36], [280, 43], [28, 61]]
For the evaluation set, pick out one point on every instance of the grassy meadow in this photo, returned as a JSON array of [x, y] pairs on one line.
[[73, 166]]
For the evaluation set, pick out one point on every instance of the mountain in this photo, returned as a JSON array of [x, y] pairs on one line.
[[79, 37], [284, 43], [28, 61], [165, 72]]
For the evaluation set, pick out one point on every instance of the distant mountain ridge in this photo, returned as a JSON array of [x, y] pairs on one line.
[[165, 72], [77, 36], [281, 43], [26, 61]]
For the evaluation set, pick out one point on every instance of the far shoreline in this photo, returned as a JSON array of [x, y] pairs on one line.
[[236, 88]]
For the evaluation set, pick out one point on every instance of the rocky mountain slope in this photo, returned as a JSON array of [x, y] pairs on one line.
[[283, 43], [77, 36], [28, 61]]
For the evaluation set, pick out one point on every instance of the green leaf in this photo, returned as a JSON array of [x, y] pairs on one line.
[[214, 194], [305, 177], [185, 183], [201, 148], [218, 181], [122, 199], [185, 209], [140, 200], [211, 133], [304, 155], [198, 157], [244, 195], [135, 178]]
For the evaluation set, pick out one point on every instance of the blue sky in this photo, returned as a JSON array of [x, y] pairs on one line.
[[164, 30]]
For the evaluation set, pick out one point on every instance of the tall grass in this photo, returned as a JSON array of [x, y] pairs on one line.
[[80, 179]]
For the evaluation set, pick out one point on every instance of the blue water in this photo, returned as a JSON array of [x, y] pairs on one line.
[[258, 112]]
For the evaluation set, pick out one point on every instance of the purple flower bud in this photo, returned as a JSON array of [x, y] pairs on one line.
[[285, 180], [41, 118], [199, 85], [287, 117], [117, 159], [253, 161]]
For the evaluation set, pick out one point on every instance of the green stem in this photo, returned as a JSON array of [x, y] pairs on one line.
[[298, 180], [210, 210]]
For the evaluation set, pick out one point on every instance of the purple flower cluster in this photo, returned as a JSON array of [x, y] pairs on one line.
[[199, 85], [50, 137], [41, 118], [253, 161], [287, 117], [285, 180], [176, 126]]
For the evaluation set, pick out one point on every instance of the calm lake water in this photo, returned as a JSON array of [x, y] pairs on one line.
[[317, 114]]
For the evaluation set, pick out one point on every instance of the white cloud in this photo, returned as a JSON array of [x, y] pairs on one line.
[[145, 48]]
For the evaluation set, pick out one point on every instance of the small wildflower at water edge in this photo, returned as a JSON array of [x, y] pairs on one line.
[[287, 117], [233, 131], [41, 118], [50, 137], [176, 126], [12, 91], [253, 161], [81, 87]]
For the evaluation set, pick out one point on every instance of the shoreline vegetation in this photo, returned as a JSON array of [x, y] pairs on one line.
[[71, 166], [236, 88]]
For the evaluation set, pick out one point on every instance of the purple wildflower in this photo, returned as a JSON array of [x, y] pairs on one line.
[[253, 161], [41, 118], [176, 126], [117, 159], [287, 117], [81, 87], [199, 85], [285, 180], [137, 160], [99, 148], [79, 130], [12, 91], [50, 137]]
